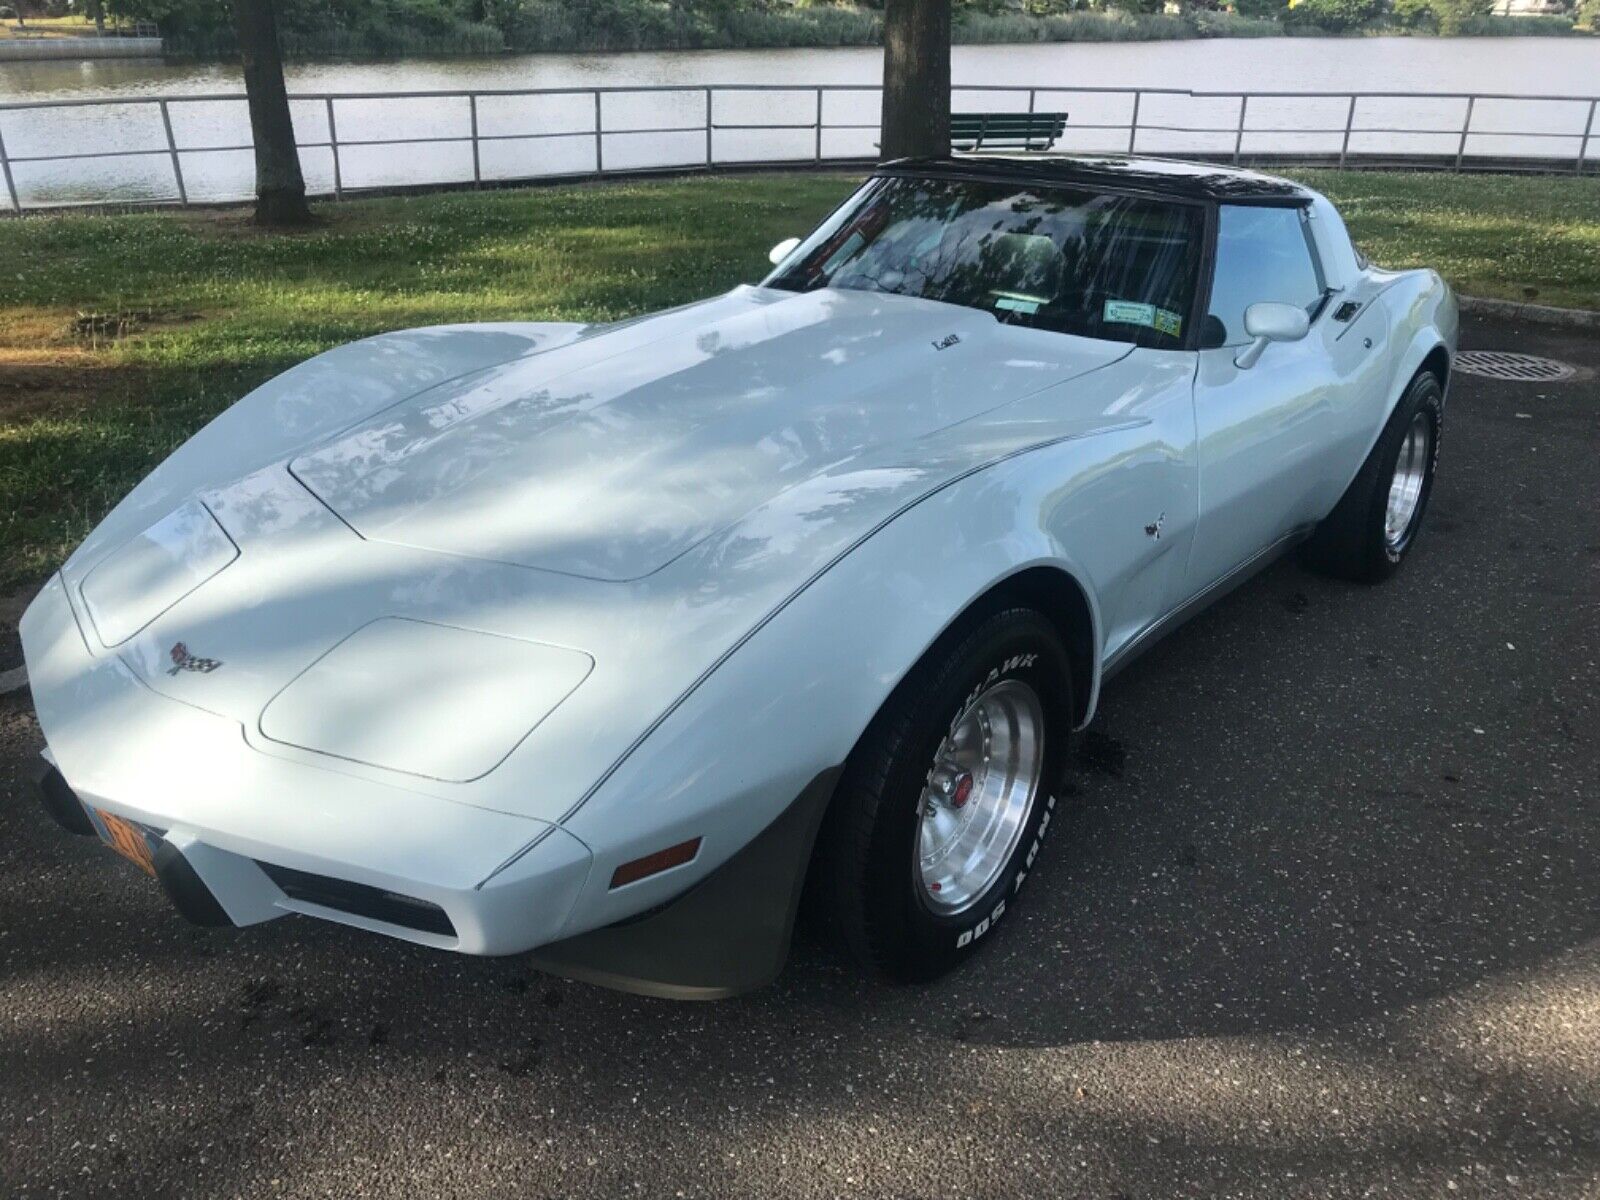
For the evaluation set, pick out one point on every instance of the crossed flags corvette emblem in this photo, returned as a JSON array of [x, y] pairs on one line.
[[182, 660]]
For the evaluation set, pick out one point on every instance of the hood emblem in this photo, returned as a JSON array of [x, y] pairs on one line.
[[946, 342], [182, 660]]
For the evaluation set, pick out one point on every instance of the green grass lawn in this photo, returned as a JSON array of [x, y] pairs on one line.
[[120, 335]]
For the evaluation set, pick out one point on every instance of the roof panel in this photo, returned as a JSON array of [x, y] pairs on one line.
[[1157, 176]]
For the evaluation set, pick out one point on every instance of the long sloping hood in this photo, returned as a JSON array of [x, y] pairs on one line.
[[358, 640], [610, 457]]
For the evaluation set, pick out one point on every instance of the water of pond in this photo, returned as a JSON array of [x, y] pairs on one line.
[[564, 124]]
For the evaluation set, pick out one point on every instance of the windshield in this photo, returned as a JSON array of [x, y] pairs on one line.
[[1064, 259]]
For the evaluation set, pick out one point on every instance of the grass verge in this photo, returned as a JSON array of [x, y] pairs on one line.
[[120, 335]]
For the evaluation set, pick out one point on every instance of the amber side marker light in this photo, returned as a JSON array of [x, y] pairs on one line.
[[654, 864]]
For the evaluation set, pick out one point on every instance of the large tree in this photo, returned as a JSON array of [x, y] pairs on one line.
[[916, 78], [280, 187]]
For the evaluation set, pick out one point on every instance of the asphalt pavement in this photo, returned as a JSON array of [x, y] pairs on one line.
[[1324, 920]]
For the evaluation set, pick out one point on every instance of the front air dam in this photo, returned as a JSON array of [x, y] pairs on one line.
[[727, 935]]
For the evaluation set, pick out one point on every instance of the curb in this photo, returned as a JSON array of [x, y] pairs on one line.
[[1540, 314]]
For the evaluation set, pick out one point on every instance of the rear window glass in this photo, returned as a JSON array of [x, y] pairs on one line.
[[1069, 260]]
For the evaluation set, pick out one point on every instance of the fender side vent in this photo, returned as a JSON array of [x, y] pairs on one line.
[[360, 900]]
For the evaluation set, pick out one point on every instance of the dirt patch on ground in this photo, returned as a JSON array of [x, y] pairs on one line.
[[100, 330], [59, 360], [60, 383], [25, 331], [238, 222], [11, 608]]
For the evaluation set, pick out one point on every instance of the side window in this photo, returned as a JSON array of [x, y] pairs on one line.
[[1262, 254]]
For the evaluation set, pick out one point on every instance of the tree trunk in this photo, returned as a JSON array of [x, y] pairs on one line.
[[916, 78], [280, 188]]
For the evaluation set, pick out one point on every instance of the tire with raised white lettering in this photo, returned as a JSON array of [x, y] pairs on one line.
[[947, 798]]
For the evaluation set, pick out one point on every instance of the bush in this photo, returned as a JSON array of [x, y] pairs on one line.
[[1273, 9], [1452, 14], [558, 25], [1335, 16], [1234, 25], [1413, 14], [1489, 25], [1073, 27]]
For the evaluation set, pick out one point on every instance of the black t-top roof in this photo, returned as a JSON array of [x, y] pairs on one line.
[[1149, 176]]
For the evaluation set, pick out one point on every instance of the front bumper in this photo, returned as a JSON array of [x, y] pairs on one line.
[[267, 836]]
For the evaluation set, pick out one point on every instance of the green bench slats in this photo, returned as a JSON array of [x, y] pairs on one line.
[[1030, 131]]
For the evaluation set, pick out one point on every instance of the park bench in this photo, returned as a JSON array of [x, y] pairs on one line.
[[1006, 130]]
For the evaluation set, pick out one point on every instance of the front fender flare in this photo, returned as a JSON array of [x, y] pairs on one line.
[[790, 703]]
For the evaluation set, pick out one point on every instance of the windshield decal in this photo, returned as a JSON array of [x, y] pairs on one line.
[[1127, 312]]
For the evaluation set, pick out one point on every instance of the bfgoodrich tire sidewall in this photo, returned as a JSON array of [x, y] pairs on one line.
[[1023, 649]]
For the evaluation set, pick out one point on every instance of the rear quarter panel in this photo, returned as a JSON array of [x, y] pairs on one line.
[[1424, 316]]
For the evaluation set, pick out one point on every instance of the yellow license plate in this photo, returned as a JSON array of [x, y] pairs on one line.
[[128, 840]]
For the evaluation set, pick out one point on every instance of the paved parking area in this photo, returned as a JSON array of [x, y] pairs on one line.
[[1325, 922]]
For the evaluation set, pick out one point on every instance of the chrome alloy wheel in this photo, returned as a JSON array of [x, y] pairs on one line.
[[1405, 489], [978, 796]]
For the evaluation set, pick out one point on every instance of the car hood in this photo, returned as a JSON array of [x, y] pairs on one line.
[[530, 559], [609, 457]]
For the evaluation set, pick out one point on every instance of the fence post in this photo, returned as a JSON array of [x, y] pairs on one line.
[[708, 127], [1466, 126], [1238, 137], [333, 144], [1133, 123], [599, 148], [819, 125], [472, 108], [11, 184], [1583, 146], [1349, 124], [172, 151]]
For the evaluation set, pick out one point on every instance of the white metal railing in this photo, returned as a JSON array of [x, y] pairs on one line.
[[1335, 148]]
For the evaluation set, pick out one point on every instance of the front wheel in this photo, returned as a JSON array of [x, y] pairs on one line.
[[946, 799], [1373, 527]]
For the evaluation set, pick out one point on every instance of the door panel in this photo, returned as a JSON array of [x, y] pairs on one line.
[[1132, 525], [1261, 433], [1275, 440]]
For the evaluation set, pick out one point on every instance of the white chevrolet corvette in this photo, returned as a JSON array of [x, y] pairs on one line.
[[608, 642]]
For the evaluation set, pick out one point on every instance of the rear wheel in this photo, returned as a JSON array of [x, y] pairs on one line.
[[1373, 527], [946, 799]]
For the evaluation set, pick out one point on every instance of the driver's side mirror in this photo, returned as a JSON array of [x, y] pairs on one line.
[[1268, 322], [782, 250]]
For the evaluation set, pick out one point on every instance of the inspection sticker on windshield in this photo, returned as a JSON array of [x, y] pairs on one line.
[[1017, 304], [1126, 312]]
